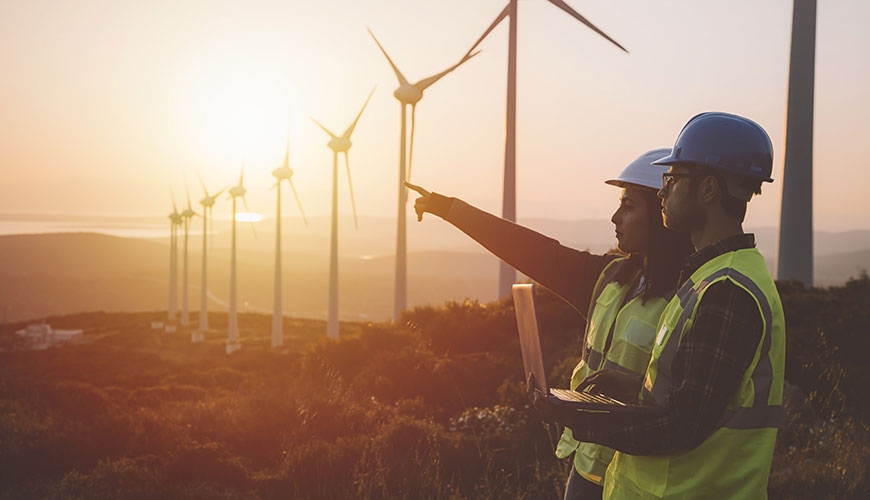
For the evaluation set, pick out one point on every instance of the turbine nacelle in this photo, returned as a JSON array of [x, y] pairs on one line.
[[282, 173], [408, 94], [339, 144], [237, 191]]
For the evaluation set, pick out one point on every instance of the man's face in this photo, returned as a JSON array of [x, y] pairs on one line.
[[680, 208]]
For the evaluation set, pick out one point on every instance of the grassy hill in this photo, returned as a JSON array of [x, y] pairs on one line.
[[431, 407]]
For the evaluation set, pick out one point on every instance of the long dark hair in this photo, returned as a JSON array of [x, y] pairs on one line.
[[665, 254]]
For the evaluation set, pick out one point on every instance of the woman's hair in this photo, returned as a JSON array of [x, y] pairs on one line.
[[665, 254]]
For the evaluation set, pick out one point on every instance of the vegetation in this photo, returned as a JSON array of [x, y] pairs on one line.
[[433, 407]]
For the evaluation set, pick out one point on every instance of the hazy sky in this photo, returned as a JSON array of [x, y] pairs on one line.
[[133, 96]]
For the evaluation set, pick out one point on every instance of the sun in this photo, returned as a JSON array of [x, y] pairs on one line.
[[242, 112]]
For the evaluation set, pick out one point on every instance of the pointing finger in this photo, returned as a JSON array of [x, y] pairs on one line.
[[416, 188]]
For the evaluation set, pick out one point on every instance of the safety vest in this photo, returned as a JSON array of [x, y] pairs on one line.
[[630, 325], [734, 461]]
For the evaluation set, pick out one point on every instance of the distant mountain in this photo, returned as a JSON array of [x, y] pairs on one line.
[[49, 274]]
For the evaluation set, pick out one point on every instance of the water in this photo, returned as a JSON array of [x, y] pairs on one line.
[[115, 225]]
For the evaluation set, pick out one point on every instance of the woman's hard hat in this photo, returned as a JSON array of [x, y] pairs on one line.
[[725, 142], [642, 171]]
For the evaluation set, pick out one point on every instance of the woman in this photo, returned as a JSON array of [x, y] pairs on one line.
[[623, 294]]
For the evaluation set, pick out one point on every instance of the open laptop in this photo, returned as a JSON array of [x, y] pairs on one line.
[[533, 362]]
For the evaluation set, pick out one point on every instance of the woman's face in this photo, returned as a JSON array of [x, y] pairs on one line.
[[631, 221]]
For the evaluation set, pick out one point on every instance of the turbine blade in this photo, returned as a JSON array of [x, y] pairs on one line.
[[245, 203], [204, 190], [172, 194], [324, 128], [187, 190], [427, 82], [298, 203], [242, 176], [211, 226], [504, 13], [287, 151], [219, 192], [350, 185], [349, 130], [399, 75], [411, 149], [573, 13]]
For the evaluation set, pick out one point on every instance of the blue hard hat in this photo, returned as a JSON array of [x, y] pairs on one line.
[[726, 142]]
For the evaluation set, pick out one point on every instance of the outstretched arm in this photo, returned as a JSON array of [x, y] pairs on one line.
[[569, 273]]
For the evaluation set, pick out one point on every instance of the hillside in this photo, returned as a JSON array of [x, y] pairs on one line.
[[432, 407]]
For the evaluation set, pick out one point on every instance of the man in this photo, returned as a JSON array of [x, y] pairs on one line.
[[718, 361]]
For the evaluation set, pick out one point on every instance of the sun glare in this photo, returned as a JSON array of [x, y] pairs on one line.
[[248, 217], [241, 113]]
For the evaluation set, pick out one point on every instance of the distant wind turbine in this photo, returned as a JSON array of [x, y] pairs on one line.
[[175, 220], [233, 344], [407, 94], [281, 173], [338, 144], [186, 216], [207, 210], [507, 275]]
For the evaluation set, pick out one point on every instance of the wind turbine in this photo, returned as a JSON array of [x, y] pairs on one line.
[[507, 275], [281, 173], [207, 209], [186, 216], [233, 344], [795, 260], [175, 220], [338, 144], [407, 94]]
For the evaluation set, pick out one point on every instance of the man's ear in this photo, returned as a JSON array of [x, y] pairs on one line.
[[709, 189]]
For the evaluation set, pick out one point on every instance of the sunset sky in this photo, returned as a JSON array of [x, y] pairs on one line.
[[106, 105]]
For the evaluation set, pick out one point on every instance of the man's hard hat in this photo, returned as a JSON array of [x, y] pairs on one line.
[[722, 141], [642, 171]]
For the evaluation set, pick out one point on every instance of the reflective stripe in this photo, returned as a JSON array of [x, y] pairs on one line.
[[688, 296], [760, 415], [593, 358]]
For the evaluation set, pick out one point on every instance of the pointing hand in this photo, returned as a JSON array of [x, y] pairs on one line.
[[421, 202]]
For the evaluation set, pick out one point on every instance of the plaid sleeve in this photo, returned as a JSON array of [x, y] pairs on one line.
[[710, 362]]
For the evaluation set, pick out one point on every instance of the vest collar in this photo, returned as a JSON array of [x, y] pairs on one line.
[[713, 250]]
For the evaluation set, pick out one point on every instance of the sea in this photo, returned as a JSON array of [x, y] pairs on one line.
[[129, 226]]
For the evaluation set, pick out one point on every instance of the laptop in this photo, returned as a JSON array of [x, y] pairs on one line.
[[533, 362]]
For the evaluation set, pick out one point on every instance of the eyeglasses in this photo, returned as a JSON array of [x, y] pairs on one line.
[[669, 178]]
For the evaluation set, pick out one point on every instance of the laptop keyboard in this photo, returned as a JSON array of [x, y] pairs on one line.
[[584, 397]]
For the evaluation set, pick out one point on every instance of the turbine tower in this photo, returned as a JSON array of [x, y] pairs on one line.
[[338, 144], [207, 210], [186, 216], [233, 344], [796, 217], [281, 173], [175, 220], [507, 275], [407, 94]]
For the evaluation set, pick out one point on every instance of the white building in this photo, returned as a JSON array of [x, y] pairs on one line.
[[42, 335]]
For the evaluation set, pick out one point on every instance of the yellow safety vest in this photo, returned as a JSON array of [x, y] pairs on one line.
[[632, 331], [734, 461]]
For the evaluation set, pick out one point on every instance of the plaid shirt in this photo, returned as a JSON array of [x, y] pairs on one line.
[[710, 362]]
